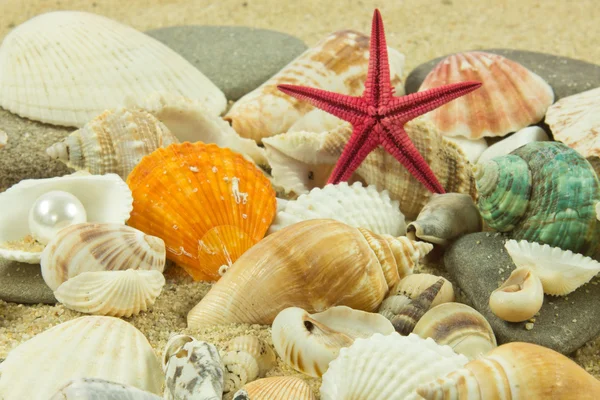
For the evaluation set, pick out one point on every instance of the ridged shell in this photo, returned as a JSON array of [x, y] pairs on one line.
[[87, 347], [313, 265], [575, 121], [338, 63], [115, 293], [100, 389], [511, 97], [113, 142], [515, 371], [542, 192], [80, 64], [561, 271], [387, 368], [519, 298], [301, 161], [355, 205], [309, 342], [278, 388], [246, 358], [415, 284], [257, 348], [99, 247], [106, 199], [513, 142], [208, 204], [458, 326]]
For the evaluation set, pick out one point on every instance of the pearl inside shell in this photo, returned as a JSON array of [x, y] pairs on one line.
[[52, 212]]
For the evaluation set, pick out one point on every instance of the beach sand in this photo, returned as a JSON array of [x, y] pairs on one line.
[[421, 29]]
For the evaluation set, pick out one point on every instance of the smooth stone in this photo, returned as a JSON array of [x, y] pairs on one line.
[[479, 263], [23, 283], [567, 76], [513, 142], [237, 59]]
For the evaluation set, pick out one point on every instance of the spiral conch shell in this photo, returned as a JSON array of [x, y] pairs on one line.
[[314, 265], [246, 358], [413, 285], [515, 371]]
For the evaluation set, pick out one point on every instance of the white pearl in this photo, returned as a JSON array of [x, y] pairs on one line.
[[52, 212]]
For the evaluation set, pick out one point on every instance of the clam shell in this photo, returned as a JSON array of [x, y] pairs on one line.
[[387, 367], [208, 204], [99, 247], [277, 388], [115, 293], [415, 284], [113, 142], [106, 199], [87, 347], [511, 98], [575, 121], [519, 298], [247, 357], [338, 63], [301, 161], [561, 271], [97, 389], [80, 64], [308, 342], [513, 142], [355, 205]]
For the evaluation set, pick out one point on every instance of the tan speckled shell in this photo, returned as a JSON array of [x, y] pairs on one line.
[[415, 284], [279, 388]]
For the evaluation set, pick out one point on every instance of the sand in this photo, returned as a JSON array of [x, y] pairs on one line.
[[421, 29]]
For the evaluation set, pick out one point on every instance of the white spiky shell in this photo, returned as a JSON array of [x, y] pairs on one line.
[[387, 367], [99, 247], [354, 205], [561, 271], [513, 142], [115, 293], [97, 389], [80, 64], [106, 199], [87, 347]]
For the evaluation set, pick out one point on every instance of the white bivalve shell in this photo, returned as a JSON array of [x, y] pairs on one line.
[[80, 64], [100, 389], [354, 205], [106, 199], [387, 368], [309, 342], [87, 347]]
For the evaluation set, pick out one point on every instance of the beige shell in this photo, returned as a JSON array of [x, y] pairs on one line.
[[513, 142], [277, 388], [338, 63], [301, 161], [246, 358], [473, 149], [90, 389], [515, 371], [519, 298], [458, 326], [511, 97], [99, 247], [314, 265], [575, 121], [415, 284], [316, 120], [3, 139], [309, 342], [113, 142]]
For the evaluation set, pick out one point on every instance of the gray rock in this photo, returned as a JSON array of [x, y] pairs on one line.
[[479, 263], [23, 283], [237, 59], [567, 76]]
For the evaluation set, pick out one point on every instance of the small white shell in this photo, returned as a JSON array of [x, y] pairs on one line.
[[355, 205], [247, 357], [473, 148], [87, 347], [100, 389], [519, 298], [387, 368], [513, 142], [561, 271], [106, 198]]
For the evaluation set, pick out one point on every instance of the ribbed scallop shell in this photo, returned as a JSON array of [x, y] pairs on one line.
[[80, 64], [106, 199], [513, 142], [100, 389], [415, 284], [207, 203], [87, 347], [355, 205], [511, 97], [113, 142], [338, 63], [387, 368], [278, 388], [99, 247], [561, 271], [575, 121], [246, 358], [301, 161]]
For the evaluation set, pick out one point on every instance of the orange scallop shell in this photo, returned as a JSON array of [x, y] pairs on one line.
[[209, 205]]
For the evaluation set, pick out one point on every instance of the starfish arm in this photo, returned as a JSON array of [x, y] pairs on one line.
[[395, 141], [413, 105], [348, 108], [361, 143], [378, 88]]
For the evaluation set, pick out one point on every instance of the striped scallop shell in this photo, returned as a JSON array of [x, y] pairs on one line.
[[277, 388], [87, 347], [100, 389], [511, 98]]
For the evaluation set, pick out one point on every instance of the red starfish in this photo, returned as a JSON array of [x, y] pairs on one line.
[[378, 117]]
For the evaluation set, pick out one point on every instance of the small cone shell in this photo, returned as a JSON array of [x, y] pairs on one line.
[[279, 388], [415, 284], [407, 316]]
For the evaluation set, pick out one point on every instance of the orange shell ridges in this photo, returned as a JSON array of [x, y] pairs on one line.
[[209, 205]]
